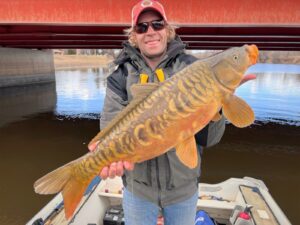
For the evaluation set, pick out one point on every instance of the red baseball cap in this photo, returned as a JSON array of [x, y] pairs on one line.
[[144, 5]]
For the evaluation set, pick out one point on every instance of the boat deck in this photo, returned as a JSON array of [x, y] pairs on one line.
[[222, 201], [260, 210]]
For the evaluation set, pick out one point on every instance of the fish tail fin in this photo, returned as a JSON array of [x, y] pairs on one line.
[[54, 181], [72, 194], [63, 180]]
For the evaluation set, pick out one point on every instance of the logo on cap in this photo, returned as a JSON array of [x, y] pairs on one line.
[[146, 3], [143, 5]]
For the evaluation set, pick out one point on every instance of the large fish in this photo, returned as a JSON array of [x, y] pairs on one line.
[[160, 117]]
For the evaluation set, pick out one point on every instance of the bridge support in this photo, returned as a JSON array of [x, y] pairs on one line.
[[25, 66]]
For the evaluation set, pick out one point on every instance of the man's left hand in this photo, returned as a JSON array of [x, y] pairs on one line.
[[248, 77]]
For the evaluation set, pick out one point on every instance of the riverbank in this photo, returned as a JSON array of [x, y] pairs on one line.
[[280, 57], [273, 57], [62, 62]]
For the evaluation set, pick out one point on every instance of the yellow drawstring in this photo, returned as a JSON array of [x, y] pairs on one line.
[[144, 78], [159, 73]]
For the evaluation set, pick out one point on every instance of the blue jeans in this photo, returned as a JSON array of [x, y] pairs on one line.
[[139, 211]]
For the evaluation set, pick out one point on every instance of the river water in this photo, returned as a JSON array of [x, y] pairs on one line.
[[45, 126]]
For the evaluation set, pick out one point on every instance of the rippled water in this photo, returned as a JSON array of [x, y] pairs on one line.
[[274, 95], [80, 93]]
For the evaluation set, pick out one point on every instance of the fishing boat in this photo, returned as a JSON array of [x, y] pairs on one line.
[[225, 203]]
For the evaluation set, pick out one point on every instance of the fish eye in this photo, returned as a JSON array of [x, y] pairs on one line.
[[235, 57]]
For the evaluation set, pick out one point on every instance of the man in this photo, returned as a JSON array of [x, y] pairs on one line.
[[153, 53]]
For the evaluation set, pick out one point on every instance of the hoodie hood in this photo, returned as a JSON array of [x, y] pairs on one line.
[[130, 53]]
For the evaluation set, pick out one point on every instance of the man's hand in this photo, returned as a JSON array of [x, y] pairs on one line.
[[115, 169], [248, 77]]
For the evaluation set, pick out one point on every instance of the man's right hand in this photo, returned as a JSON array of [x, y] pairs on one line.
[[114, 169]]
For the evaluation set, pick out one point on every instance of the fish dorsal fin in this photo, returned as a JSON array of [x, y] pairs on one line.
[[237, 111], [216, 117], [186, 151], [139, 93]]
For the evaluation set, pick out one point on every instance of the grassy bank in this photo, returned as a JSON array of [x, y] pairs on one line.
[[273, 57], [87, 61], [80, 61]]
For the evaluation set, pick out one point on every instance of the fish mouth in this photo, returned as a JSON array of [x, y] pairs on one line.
[[253, 53]]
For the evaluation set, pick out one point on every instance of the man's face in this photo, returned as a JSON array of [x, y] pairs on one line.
[[152, 44]]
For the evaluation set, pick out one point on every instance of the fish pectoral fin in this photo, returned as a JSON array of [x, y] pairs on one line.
[[216, 117], [237, 111], [139, 91], [186, 152]]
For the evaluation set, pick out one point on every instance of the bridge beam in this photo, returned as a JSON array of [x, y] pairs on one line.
[[180, 12], [205, 24]]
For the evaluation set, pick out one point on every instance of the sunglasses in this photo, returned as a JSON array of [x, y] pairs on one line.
[[156, 25]]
